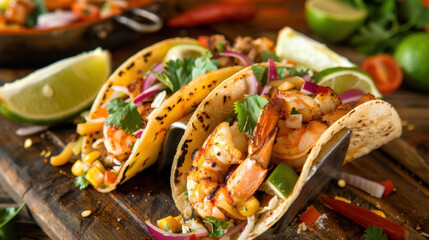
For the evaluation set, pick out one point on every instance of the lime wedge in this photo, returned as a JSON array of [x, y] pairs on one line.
[[333, 20], [57, 91], [185, 50], [281, 181], [294, 46], [341, 79]]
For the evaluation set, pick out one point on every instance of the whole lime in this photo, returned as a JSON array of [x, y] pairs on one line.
[[413, 56]]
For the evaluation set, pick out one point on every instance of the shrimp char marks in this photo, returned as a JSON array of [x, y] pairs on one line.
[[125, 106], [248, 164]]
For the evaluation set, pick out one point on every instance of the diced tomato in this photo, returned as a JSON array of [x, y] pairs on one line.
[[289, 62], [203, 41], [388, 187], [192, 237], [425, 2], [322, 89], [385, 71], [100, 112], [85, 11], [110, 177], [309, 216]]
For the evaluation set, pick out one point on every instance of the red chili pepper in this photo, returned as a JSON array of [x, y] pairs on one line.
[[366, 218], [192, 237], [322, 89], [309, 216], [388, 187], [214, 12]]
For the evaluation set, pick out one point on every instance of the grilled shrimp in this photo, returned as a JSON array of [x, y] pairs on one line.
[[211, 191]]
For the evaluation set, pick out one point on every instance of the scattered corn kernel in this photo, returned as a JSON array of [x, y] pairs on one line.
[[86, 213], [48, 154], [379, 213], [169, 224], [341, 183], [249, 207], [95, 177], [42, 153], [64, 156], [179, 219], [99, 165], [92, 156], [343, 199], [411, 127], [28, 142], [89, 127], [77, 168]]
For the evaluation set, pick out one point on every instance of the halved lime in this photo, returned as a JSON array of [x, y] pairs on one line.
[[281, 181], [296, 47], [185, 50], [341, 79], [57, 91], [333, 20]]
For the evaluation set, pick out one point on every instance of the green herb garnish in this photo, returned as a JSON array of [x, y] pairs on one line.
[[374, 233], [218, 226], [124, 115], [259, 72], [248, 111], [267, 55], [81, 182]]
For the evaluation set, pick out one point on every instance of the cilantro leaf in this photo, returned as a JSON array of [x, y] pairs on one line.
[[167, 228], [248, 111], [259, 72], [219, 227], [81, 182], [294, 111], [124, 115], [374, 233], [221, 46], [267, 55], [293, 71], [177, 73]]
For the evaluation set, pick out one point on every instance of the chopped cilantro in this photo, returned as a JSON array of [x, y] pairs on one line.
[[167, 228], [221, 47], [294, 111], [231, 117], [104, 186], [81, 182], [374, 233], [293, 71], [178, 73], [259, 72], [218, 226], [124, 115], [246, 209], [267, 55], [248, 111]]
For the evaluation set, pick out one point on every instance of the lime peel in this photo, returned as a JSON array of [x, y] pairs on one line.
[[281, 181], [184, 50], [73, 84]]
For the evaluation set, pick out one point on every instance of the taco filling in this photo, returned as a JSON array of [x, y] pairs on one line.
[[125, 113]]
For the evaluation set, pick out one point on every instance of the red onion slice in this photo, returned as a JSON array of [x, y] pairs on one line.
[[239, 56], [309, 88], [373, 188], [149, 92], [351, 96], [253, 84], [266, 89], [272, 71], [159, 234], [306, 77], [138, 133], [150, 78]]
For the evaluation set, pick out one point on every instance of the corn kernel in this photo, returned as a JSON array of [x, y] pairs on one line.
[[341, 183], [64, 156], [95, 177], [379, 213], [169, 224], [86, 213], [77, 168], [91, 157], [179, 219], [231, 210], [28, 142], [249, 207], [99, 165], [343, 199], [89, 127]]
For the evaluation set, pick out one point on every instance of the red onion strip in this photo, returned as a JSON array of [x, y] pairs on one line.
[[265, 90], [309, 88], [149, 92], [272, 71], [373, 188], [150, 78], [253, 84], [138, 133], [239, 56], [351, 96], [159, 234]]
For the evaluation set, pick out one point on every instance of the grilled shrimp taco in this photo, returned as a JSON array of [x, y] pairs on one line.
[[160, 84], [249, 146]]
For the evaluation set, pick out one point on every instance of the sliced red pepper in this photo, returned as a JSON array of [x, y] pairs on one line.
[[309, 216], [214, 12], [322, 89], [203, 40], [366, 218], [388, 187]]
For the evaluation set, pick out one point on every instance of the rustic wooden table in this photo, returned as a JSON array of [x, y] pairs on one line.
[[56, 205]]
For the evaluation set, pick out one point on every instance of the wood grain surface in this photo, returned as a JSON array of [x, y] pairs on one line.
[[56, 204]]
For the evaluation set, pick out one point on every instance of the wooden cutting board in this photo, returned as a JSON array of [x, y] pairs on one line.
[[57, 204]]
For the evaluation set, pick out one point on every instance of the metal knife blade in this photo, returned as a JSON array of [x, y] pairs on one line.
[[330, 160]]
